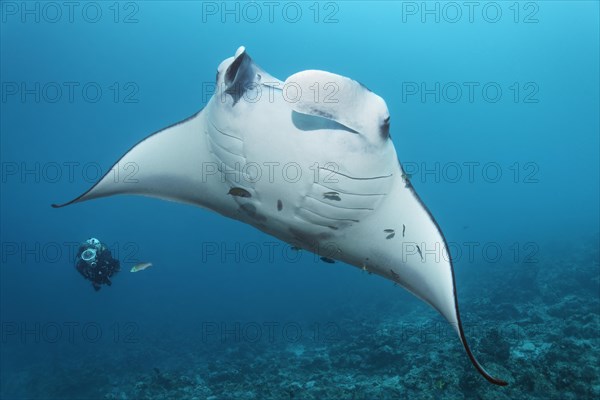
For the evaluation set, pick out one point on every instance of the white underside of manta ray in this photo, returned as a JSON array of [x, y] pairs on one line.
[[309, 161]]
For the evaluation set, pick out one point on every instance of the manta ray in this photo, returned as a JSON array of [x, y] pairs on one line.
[[308, 160]]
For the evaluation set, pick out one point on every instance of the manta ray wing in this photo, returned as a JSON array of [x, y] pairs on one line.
[[157, 166]]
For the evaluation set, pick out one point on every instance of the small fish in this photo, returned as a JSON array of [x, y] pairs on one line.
[[141, 266], [403, 229], [391, 235], [327, 260], [239, 192], [279, 205], [388, 230], [419, 250]]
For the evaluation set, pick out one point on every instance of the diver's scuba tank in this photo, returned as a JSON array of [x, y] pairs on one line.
[[93, 242]]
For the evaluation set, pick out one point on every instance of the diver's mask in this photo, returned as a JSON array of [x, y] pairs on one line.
[[89, 256]]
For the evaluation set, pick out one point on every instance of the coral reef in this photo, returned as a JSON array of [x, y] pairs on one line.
[[541, 333]]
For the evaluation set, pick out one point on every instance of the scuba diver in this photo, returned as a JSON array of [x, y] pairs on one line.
[[95, 263]]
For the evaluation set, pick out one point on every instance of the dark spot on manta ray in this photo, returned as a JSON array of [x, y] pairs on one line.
[[332, 196], [279, 205], [333, 227], [419, 250], [391, 235], [403, 229], [250, 210], [239, 192], [327, 260], [310, 240], [301, 236]]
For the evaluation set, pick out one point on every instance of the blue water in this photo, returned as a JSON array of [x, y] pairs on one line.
[[510, 170]]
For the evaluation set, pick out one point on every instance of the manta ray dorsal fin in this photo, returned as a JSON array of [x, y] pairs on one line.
[[340, 99]]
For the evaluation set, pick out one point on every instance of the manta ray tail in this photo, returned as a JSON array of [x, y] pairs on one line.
[[478, 367]]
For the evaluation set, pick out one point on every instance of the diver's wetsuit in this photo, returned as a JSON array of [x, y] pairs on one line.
[[100, 274]]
